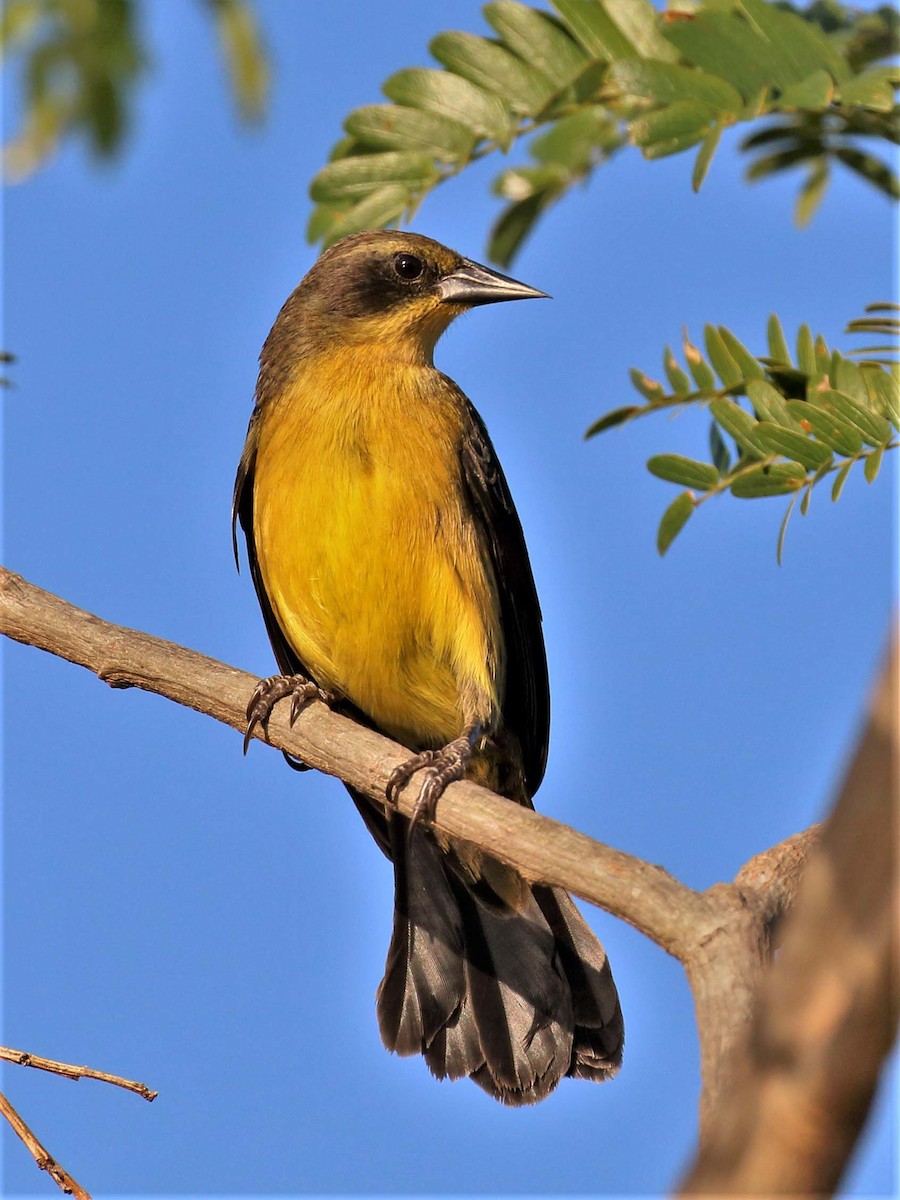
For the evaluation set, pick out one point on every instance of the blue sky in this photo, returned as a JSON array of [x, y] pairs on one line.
[[216, 926]]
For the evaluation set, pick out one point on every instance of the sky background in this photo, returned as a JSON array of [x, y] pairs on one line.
[[216, 926]]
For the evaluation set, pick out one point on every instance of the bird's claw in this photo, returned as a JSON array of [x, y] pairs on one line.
[[443, 766], [269, 691]]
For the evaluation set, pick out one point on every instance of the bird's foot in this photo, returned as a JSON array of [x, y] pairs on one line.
[[269, 691], [444, 767]]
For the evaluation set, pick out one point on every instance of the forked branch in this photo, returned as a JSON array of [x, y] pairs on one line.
[[723, 936]]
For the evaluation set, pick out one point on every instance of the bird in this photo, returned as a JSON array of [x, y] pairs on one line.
[[395, 584]]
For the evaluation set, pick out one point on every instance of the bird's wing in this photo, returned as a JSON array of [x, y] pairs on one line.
[[242, 511], [526, 703]]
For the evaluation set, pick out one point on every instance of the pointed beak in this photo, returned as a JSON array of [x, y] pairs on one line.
[[472, 284]]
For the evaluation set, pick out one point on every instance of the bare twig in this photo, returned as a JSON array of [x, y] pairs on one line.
[[45, 1161], [68, 1071]]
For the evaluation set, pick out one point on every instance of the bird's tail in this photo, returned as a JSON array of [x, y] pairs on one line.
[[515, 999]]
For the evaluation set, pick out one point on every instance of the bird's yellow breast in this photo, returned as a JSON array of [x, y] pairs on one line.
[[374, 572]]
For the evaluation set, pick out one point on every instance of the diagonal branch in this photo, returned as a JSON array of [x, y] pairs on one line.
[[45, 1161], [722, 935], [542, 849]]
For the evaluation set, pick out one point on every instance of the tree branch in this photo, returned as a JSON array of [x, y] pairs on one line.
[[22, 1058], [45, 1161], [722, 935], [770, 880], [804, 1077], [542, 849]]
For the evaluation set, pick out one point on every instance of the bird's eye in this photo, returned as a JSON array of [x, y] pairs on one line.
[[408, 266]]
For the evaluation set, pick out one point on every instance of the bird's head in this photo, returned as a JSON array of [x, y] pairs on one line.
[[395, 289]]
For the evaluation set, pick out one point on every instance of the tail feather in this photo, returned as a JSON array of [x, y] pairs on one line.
[[599, 1034], [523, 1010], [515, 1000], [424, 977]]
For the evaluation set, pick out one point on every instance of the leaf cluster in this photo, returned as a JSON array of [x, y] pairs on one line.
[[805, 418], [596, 75], [81, 61]]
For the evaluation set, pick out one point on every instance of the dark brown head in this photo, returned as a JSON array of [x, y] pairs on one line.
[[390, 287]]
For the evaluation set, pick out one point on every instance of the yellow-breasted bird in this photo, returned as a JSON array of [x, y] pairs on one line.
[[392, 573]]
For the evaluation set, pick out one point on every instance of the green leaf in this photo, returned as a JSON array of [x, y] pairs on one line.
[[780, 130], [682, 120], [798, 44], [812, 192], [352, 178], [537, 40], [673, 145], [769, 404], [574, 141], [494, 69], [778, 348], [395, 127], [872, 464], [806, 351], [676, 377], [705, 157], [848, 378], [871, 90], [674, 520], [884, 392], [639, 21], [723, 45], [618, 416], [248, 66], [380, 207], [779, 479], [718, 449], [874, 429], [807, 496], [519, 183], [667, 83], [867, 353], [814, 93], [453, 97], [783, 530], [739, 424], [649, 388], [828, 427], [675, 468], [792, 445], [750, 366], [595, 29], [721, 358], [18, 20], [840, 479], [703, 375], [772, 163], [823, 356], [513, 226], [872, 169]]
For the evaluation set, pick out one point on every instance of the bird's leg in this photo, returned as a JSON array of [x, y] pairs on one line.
[[269, 691], [444, 766]]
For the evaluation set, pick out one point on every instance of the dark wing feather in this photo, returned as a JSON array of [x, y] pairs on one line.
[[526, 704]]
